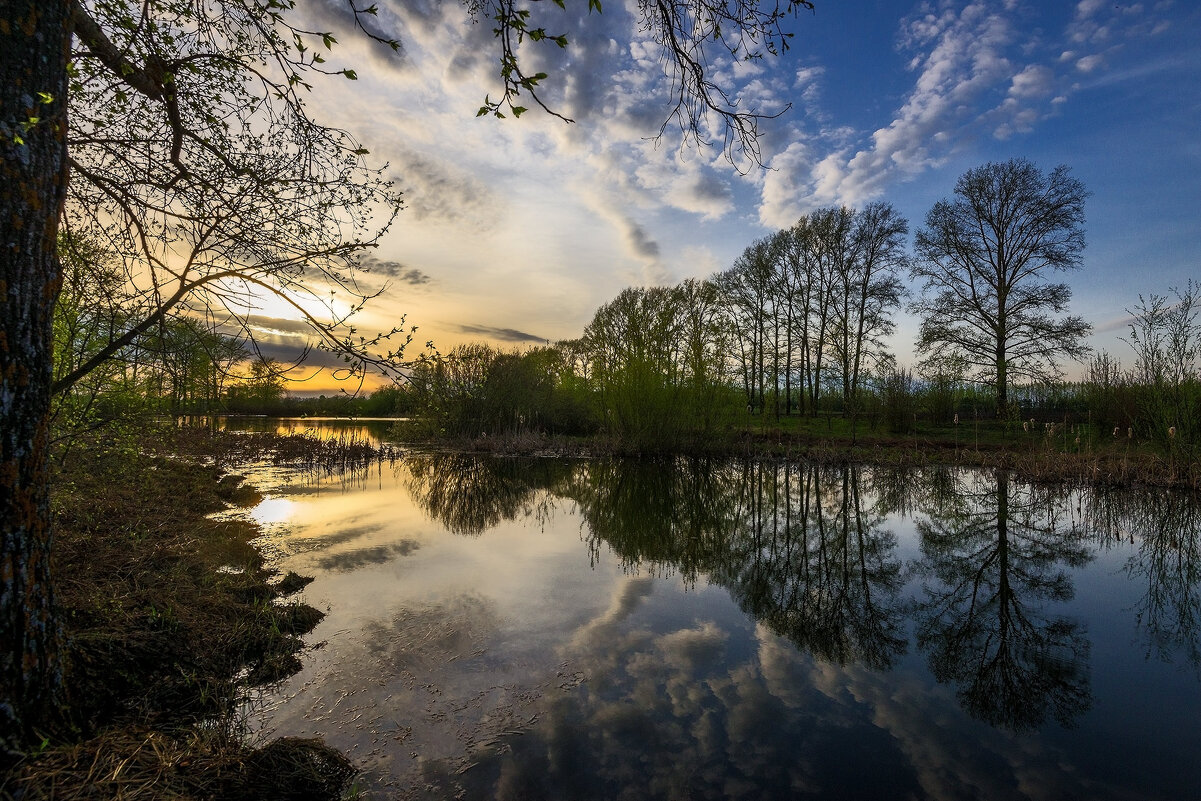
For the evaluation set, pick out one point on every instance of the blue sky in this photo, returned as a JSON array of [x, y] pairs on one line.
[[515, 231]]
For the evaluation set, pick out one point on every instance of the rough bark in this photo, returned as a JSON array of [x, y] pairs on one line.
[[34, 40]]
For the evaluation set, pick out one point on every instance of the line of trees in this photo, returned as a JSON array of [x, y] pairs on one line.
[[810, 305], [802, 310], [798, 324]]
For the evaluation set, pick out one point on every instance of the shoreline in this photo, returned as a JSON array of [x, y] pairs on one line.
[[1106, 466], [170, 616]]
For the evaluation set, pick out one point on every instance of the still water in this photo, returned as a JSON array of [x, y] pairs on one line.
[[592, 629]]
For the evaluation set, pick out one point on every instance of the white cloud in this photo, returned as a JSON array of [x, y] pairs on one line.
[[808, 76], [688, 186], [606, 203], [1035, 80], [697, 261], [960, 57], [786, 186], [979, 69]]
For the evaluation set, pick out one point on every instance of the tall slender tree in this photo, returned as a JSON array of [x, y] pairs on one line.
[[804, 290], [873, 291], [831, 244], [747, 291]]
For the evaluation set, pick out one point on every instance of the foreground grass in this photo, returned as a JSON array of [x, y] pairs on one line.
[[169, 617]]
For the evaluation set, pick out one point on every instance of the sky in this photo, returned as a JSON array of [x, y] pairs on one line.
[[515, 231]]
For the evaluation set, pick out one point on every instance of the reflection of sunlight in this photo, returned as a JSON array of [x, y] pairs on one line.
[[273, 510]]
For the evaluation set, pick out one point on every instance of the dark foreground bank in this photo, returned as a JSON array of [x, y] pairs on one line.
[[170, 617]]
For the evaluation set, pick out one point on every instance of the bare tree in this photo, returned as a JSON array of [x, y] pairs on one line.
[[1165, 334], [983, 258], [790, 307], [801, 289], [868, 289], [746, 290], [830, 240]]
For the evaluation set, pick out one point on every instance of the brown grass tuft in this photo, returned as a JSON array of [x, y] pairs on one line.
[[169, 615]]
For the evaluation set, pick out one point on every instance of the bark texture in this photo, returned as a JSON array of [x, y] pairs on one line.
[[34, 42]]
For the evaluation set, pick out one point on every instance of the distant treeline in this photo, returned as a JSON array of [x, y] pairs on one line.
[[389, 401], [630, 379], [795, 328]]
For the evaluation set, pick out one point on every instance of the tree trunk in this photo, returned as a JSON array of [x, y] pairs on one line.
[[1002, 384], [34, 41], [775, 359], [788, 363]]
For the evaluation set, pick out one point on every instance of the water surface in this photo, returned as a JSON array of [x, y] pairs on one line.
[[552, 628]]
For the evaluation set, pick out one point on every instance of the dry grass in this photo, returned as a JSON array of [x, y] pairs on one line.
[[168, 616], [132, 764], [321, 456]]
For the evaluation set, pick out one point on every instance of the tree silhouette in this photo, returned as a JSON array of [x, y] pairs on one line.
[[982, 259], [1168, 563], [992, 567], [793, 545], [814, 565], [470, 494]]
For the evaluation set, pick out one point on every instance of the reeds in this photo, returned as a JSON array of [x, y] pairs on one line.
[[345, 452]]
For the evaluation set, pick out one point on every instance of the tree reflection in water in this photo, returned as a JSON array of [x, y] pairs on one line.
[[805, 549], [792, 543], [993, 558], [1167, 526], [471, 494]]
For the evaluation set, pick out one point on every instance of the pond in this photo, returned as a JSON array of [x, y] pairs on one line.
[[607, 629]]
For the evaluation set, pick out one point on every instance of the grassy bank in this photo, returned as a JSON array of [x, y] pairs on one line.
[[169, 617], [1044, 452]]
